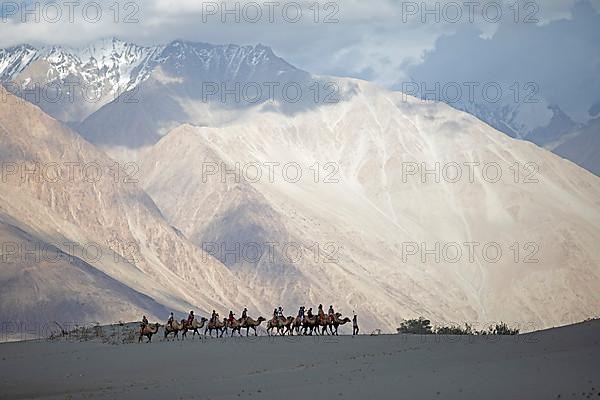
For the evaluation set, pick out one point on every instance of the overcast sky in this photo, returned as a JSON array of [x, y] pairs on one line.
[[553, 42]]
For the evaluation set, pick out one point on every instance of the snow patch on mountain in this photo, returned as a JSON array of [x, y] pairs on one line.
[[13, 60]]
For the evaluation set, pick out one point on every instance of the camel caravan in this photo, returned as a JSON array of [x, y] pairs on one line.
[[304, 323]]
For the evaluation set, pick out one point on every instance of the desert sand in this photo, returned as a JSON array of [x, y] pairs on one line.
[[556, 363]]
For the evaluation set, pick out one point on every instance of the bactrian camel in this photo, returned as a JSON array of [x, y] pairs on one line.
[[309, 324], [219, 326], [148, 330], [174, 328], [249, 323], [282, 324], [234, 325], [195, 327], [337, 322], [297, 325]]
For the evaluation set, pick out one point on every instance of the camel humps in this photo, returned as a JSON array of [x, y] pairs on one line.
[[174, 328], [195, 327], [219, 326], [337, 322], [250, 323], [282, 324], [148, 331]]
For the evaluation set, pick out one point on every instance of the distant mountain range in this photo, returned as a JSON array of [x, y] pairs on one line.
[[516, 121], [119, 71]]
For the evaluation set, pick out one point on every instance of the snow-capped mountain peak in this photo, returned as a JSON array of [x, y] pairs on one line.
[[113, 66]]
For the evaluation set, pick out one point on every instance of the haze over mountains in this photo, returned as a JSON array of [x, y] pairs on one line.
[[360, 204], [118, 87], [548, 126]]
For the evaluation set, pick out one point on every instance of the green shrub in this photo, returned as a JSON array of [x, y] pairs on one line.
[[455, 330], [420, 326], [502, 329]]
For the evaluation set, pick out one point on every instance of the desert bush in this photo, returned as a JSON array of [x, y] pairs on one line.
[[502, 329], [455, 330], [420, 326]]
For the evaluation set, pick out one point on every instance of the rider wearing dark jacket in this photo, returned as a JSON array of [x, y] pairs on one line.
[[355, 329], [321, 313]]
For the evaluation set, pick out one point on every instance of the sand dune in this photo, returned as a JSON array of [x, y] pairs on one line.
[[557, 363]]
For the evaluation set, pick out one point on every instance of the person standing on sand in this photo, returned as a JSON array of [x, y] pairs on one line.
[[170, 320], [354, 325]]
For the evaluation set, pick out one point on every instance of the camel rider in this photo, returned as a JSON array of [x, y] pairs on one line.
[[231, 316], [309, 314], [144, 322], [275, 313], [214, 316], [190, 318], [331, 313], [245, 313], [280, 312], [301, 313], [321, 313], [170, 320]]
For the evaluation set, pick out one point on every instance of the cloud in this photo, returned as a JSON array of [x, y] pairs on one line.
[[561, 57], [381, 40]]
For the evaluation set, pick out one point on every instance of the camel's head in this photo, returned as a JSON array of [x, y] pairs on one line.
[[261, 319], [338, 314], [203, 319]]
